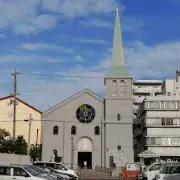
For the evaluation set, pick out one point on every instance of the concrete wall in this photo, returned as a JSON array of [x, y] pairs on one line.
[[14, 159], [23, 112], [119, 132]]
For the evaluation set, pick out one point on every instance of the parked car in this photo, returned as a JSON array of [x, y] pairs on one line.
[[43, 171], [151, 171], [166, 171], [57, 166], [173, 173], [20, 172], [51, 170]]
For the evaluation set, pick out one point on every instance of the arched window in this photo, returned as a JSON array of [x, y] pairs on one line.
[[122, 87], [114, 87], [73, 130], [55, 130], [97, 130]]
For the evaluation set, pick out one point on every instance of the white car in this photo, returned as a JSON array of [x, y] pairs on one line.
[[166, 171], [57, 166], [150, 172], [15, 172]]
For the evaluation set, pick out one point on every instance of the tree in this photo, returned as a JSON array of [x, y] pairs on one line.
[[35, 152], [8, 145], [20, 145], [6, 142]]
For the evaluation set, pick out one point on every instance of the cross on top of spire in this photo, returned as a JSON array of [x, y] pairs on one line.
[[117, 12]]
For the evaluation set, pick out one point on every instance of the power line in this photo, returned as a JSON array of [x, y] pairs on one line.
[[63, 75], [14, 74], [68, 121]]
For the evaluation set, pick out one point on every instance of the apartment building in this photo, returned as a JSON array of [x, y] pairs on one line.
[[160, 120], [141, 90], [172, 86], [159, 116]]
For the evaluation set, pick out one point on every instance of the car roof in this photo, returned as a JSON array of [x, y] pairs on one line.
[[50, 162]]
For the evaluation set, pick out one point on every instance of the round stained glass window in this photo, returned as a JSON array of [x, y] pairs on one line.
[[85, 113]]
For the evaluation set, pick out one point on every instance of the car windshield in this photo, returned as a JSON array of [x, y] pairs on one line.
[[31, 171], [166, 169], [38, 169], [51, 169]]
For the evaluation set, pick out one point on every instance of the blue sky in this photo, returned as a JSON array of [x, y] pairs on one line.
[[74, 37]]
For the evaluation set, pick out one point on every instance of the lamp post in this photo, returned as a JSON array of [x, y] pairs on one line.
[[29, 133]]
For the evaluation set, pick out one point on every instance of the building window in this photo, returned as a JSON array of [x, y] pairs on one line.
[[119, 147], [97, 130], [118, 117], [55, 130], [73, 130], [162, 105], [114, 87], [163, 121], [122, 87], [169, 121]]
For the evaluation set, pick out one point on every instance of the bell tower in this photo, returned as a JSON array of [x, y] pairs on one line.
[[118, 131]]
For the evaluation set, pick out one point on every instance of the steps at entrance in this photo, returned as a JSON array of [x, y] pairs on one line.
[[93, 174]]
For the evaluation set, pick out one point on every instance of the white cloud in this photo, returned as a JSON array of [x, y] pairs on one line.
[[44, 46], [128, 24], [142, 61], [97, 23], [93, 41], [71, 8], [78, 58], [24, 17]]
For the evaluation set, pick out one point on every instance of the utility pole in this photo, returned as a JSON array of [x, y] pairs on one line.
[[29, 133], [14, 102]]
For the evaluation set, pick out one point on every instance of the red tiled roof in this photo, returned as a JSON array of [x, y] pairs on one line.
[[11, 96]]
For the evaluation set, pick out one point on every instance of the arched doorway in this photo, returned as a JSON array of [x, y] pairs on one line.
[[85, 153]]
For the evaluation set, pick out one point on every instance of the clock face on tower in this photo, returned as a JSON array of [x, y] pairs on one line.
[[85, 113]]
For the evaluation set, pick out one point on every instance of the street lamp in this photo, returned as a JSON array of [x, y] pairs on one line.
[[29, 133]]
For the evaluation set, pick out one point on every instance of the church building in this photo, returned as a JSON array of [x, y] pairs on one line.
[[88, 130]]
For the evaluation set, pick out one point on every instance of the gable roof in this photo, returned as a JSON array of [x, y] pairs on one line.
[[75, 96], [20, 100]]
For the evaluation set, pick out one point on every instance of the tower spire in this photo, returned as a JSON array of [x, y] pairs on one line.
[[117, 12], [117, 52], [117, 64]]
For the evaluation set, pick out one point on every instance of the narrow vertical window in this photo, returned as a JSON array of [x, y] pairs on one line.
[[114, 88], [73, 130], [55, 130], [97, 130], [118, 117], [122, 87]]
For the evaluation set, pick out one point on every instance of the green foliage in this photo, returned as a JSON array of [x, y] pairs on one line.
[[17, 146], [20, 145], [35, 152], [8, 145]]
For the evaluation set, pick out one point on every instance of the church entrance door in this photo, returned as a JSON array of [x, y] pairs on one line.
[[85, 153], [85, 160]]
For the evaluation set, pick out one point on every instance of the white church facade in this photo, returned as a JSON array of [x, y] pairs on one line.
[[87, 129]]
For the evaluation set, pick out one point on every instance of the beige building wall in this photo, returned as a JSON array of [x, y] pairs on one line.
[[23, 112]]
